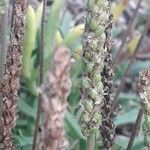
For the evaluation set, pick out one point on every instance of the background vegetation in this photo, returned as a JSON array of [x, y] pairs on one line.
[[65, 24]]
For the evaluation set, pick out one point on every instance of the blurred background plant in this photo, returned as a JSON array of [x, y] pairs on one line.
[[65, 25]]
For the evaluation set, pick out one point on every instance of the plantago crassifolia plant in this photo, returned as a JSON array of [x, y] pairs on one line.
[[144, 93], [94, 56], [12, 72]]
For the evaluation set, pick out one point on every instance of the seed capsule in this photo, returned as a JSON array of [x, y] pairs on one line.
[[85, 83], [93, 93], [89, 67], [100, 86], [89, 106], [97, 78], [97, 118], [94, 130], [86, 117]]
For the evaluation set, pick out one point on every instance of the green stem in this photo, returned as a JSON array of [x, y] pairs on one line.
[[90, 142], [41, 74]]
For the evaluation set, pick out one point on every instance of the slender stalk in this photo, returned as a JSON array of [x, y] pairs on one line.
[[135, 129], [91, 142], [42, 48], [124, 40]]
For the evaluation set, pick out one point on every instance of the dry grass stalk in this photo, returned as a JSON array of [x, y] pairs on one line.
[[54, 101], [10, 83]]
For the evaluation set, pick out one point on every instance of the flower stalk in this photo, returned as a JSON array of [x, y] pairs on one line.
[[144, 93]]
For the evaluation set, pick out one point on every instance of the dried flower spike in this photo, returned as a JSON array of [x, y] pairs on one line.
[[108, 127], [54, 94], [10, 83], [144, 93]]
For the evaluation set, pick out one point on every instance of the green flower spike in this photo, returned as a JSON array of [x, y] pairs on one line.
[[93, 56]]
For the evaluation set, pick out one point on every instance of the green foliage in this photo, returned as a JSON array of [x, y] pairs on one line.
[[30, 42], [52, 26]]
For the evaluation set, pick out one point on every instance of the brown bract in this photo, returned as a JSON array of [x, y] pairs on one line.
[[10, 82], [54, 94]]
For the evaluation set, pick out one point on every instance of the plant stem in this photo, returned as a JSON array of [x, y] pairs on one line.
[[42, 47], [135, 129], [90, 142]]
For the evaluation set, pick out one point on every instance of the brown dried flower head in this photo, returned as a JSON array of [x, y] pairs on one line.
[[54, 94]]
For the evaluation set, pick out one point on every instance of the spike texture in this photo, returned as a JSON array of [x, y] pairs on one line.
[[107, 127], [10, 82], [109, 111], [94, 51], [144, 93], [54, 94]]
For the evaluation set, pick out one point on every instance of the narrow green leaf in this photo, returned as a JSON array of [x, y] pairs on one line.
[[26, 109], [52, 26], [72, 123], [82, 144], [128, 117], [23, 141]]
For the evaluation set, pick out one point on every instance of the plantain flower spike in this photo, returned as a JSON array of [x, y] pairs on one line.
[[93, 56], [12, 72], [144, 93], [54, 95]]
